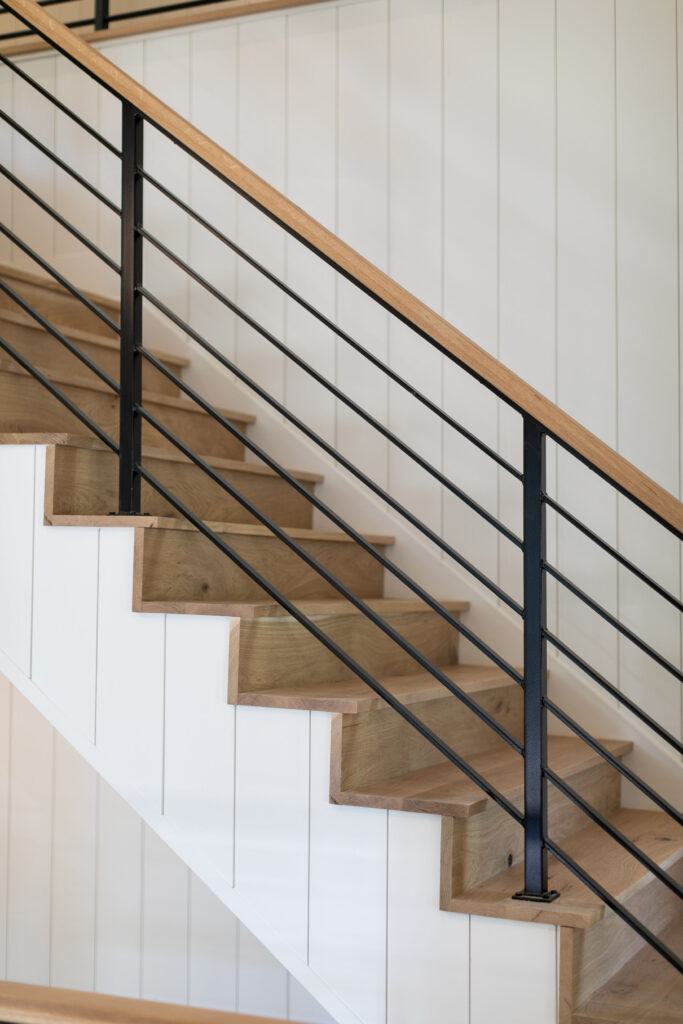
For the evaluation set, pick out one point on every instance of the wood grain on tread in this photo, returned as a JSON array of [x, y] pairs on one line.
[[477, 848], [577, 906], [647, 990], [33, 1004], [176, 563], [441, 788], [276, 652], [57, 304], [42, 349], [425, 320], [86, 484], [352, 696], [25, 407]]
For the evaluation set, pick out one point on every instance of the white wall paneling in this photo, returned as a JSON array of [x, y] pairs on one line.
[[94, 900], [512, 980], [16, 555], [348, 890]]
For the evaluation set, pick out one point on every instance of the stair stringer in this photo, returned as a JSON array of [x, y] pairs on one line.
[[346, 898]]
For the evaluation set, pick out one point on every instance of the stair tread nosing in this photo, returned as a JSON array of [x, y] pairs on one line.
[[443, 789], [352, 696], [315, 609], [578, 907]]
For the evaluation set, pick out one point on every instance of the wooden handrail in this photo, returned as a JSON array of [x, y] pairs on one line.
[[623, 474], [35, 1004]]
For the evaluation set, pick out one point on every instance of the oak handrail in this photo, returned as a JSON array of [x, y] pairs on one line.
[[37, 1004], [624, 475]]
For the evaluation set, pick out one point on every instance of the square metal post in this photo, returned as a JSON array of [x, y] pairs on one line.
[[535, 670], [101, 19], [130, 428]]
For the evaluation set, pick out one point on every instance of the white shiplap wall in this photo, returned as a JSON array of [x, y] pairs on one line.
[[514, 163], [346, 898], [93, 900]]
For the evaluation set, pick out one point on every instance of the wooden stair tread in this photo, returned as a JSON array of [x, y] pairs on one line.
[[352, 696], [8, 365], [313, 609], [578, 907], [78, 334], [647, 990], [49, 285], [444, 789], [150, 452]]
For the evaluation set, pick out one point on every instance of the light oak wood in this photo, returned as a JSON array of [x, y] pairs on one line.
[[425, 321], [374, 768], [42, 349], [33, 1004], [354, 697], [386, 762], [25, 407], [647, 990], [477, 848], [177, 563], [578, 907], [163, 22], [57, 304], [85, 483], [273, 652]]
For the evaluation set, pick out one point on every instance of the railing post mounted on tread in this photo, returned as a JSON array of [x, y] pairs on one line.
[[130, 428], [535, 670]]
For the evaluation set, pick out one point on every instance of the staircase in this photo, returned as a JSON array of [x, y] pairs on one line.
[[378, 760], [535, 824]]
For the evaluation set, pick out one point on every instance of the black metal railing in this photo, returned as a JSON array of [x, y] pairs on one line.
[[137, 238], [103, 17]]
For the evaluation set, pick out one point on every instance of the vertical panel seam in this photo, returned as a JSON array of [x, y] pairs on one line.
[[9, 825], [97, 635], [33, 562], [163, 719], [52, 840]]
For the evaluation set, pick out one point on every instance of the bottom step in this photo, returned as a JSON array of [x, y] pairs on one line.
[[648, 990]]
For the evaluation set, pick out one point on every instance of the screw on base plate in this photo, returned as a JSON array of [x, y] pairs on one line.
[[537, 897]]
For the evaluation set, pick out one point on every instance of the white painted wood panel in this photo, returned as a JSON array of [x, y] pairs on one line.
[[119, 896], [29, 838], [73, 880], [212, 950], [260, 989], [5, 734], [513, 972], [165, 897], [130, 674], [428, 955], [272, 818], [17, 463], [199, 791], [64, 662], [348, 890]]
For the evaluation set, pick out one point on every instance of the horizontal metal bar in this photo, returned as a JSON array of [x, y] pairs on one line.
[[49, 269], [305, 429], [614, 692], [332, 580], [556, 507], [166, 9], [618, 908], [59, 162], [334, 328], [60, 220], [614, 832], [327, 642], [604, 614], [59, 395], [634, 779], [613, 483], [310, 497], [59, 105], [57, 334], [340, 395]]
